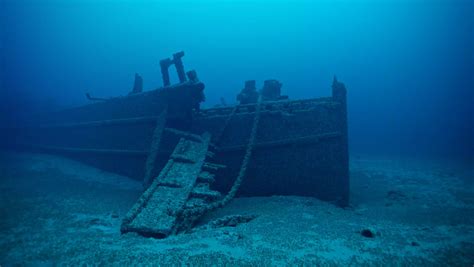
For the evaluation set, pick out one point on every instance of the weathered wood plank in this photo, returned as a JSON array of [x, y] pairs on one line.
[[155, 213]]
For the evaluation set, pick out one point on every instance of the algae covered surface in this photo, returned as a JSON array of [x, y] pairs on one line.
[[403, 212]]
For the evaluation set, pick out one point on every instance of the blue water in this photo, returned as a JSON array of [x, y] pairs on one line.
[[408, 65]]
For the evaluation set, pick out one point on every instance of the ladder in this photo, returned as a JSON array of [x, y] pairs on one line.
[[184, 183]]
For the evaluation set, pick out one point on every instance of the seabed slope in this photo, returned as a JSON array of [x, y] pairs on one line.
[[54, 210]]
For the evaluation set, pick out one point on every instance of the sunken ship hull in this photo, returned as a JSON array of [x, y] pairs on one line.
[[300, 147]]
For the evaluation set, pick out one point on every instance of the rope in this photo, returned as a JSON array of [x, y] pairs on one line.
[[219, 135], [243, 169], [145, 197]]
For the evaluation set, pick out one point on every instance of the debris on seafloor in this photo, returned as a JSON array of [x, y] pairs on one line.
[[230, 221], [395, 196], [369, 233]]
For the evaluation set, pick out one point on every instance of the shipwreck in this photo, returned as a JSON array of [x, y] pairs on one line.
[[193, 160]]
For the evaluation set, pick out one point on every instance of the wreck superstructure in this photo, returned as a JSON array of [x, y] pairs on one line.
[[190, 158]]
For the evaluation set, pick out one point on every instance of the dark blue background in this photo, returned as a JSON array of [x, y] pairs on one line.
[[408, 65]]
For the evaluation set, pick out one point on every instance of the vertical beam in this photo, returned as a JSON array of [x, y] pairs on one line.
[[178, 63], [339, 93], [155, 145], [165, 64], [137, 84]]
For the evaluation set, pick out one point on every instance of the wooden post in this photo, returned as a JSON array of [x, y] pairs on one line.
[[155, 145], [137, 84], [165, 75], [178, 63], [339, 93]]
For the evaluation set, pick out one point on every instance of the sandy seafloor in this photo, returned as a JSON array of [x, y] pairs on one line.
[[57, 211]]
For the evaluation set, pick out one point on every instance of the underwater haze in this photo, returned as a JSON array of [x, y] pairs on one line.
[[408, 65], [369, 163]]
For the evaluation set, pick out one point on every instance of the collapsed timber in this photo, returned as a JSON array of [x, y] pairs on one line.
[[194, 160]]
